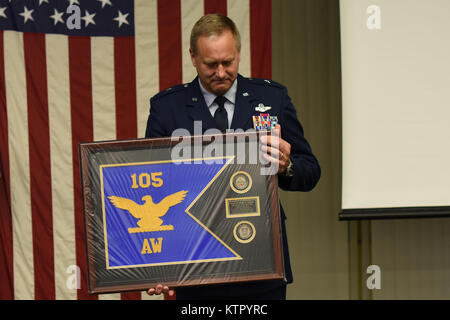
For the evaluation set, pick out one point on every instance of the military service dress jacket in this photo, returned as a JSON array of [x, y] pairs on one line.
[[179, 106]]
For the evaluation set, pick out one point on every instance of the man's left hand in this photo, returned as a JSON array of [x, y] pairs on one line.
[[276, 150]]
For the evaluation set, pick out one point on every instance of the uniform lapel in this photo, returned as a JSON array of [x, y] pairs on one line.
[[244, 106], [196, 106]]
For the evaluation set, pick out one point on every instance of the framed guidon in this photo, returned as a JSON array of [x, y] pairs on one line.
[[180, 211]]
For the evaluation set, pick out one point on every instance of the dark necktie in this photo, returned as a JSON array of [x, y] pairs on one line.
[[221, 115]]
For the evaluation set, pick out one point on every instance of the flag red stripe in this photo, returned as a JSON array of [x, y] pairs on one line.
[[80, 77], [170, 73], [215, 6], [125, 86], [169, 43], [261, 38], [40, 172], [6, 237], [126, 113]]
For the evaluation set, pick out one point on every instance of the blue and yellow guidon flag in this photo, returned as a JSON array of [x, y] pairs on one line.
[[146, 216]]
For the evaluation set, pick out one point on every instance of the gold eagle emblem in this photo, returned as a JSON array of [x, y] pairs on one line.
[[149, 213]]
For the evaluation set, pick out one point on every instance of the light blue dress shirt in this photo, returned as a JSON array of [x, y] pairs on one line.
[[230, 95]]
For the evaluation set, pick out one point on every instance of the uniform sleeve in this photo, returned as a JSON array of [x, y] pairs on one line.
[[155, 121], [306, 167]]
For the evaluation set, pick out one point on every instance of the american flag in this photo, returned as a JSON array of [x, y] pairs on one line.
[[76, 71]]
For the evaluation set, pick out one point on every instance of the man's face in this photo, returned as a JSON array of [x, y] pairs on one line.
[[217, 62]]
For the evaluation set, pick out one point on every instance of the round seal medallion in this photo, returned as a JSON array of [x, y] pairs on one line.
[[241, 182], [244, 232]]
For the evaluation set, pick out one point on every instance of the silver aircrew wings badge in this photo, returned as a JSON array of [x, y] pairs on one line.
[[262, 108]]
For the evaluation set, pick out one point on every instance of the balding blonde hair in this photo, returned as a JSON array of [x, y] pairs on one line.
[[213, 24]]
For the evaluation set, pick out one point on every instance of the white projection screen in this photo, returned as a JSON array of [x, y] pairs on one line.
[[395, 108]]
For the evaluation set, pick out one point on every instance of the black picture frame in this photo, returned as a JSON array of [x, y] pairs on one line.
[[238, 208]]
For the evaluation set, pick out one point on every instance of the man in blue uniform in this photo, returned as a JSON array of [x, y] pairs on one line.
[[221, 98]]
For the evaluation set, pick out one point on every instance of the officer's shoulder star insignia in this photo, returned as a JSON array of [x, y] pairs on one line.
[[266, 83], [169, 91]]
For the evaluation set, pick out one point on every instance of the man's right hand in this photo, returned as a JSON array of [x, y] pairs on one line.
[[161, 289]]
